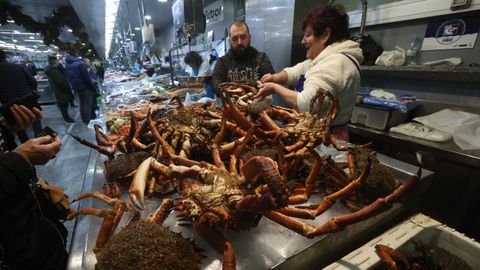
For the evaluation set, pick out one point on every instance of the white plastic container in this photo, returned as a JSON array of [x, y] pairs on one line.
[[419, 228], [377, 117]]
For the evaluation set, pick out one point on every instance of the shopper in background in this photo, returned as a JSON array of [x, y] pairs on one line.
[[81, 83], [16, 82], [200, 67], [93, 77], [29, 237], [242, 62], [100, 72], [58, 82], [29, 66], [332, 64]]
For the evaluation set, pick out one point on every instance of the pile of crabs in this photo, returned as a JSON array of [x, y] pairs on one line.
[[223, 168]]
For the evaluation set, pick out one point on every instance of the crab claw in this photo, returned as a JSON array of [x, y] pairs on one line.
[[137, 188]]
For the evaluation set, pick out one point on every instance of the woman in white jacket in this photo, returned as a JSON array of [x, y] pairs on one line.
[[332, 64]]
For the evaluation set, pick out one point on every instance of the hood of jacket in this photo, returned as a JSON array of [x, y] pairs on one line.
[[71, 59], [349, 47]]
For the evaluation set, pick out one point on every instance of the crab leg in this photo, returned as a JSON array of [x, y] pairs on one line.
[[328, 200], [110, 154], [217, 240], [162, 212], [387, 254], [100, 137], [339, 222], [278, 193], [137, 188], [166, 148]]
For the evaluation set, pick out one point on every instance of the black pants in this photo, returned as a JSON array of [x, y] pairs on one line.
[[64, 110]]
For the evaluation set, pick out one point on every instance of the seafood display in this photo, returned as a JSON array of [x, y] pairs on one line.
[[224, 169], [426, 257]]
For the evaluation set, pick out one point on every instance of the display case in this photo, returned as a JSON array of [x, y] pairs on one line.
[[268, 245]]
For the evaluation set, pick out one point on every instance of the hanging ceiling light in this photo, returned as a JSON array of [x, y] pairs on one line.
[[111, 9]]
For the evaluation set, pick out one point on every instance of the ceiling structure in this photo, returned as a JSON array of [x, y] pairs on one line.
[[14, 36], [92, 14], [129, 17]]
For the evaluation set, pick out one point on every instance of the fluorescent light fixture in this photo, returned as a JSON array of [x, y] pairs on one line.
[[31, 37], [148, 17], [83, 44], [137, 28], [34, 40], [162, 1], [111, 9], [10, 21], [132, 34], [69, 30]]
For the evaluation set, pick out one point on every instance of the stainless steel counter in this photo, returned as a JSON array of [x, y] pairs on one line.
[[267, 246], [447, 150]]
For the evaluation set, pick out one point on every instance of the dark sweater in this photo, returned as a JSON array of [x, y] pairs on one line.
[[251, 66], [29, 239], [15, 82]]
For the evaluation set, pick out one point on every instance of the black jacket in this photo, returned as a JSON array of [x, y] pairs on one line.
[[252, 66], [58, 82], [77, 74], [28, 238], [15, 82]]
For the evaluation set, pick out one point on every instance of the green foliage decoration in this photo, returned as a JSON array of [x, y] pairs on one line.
[[52, 27]]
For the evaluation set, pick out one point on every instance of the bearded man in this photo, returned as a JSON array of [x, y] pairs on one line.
[[242, 61]]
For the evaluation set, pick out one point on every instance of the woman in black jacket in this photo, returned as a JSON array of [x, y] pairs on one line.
[[29, 238]]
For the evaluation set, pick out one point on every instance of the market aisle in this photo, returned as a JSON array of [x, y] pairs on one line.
[[69, 169]]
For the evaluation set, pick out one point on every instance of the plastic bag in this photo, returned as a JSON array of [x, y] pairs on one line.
[[463, 126], [391, 58]]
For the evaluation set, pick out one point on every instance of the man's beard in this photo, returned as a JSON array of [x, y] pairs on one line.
[[240, 51]]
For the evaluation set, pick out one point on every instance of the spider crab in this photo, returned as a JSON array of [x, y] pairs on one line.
[[211, 196], [188, 130], [122, 166], [241, 91]]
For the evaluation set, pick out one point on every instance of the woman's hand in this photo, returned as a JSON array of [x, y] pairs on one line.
[[266, 89], [267, 78], [24, 117], [40, 150]]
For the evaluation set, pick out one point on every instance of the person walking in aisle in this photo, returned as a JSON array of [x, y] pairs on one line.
[[58, 82], [80, 81], [93, 78]]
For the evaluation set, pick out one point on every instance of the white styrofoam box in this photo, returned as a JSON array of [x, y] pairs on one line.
[[377, 117], [419, 228]]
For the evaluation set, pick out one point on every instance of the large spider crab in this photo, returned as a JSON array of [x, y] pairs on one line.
[[211, 195]]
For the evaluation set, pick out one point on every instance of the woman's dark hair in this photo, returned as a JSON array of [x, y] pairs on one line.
[[193, 59], [333, 17]]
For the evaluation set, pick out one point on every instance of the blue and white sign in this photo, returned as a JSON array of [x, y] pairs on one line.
[[460, 33], [214, 12]]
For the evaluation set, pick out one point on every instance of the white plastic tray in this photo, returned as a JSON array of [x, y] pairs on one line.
[[419, 227]]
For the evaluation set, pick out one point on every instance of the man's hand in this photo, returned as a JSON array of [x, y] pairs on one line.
[[40, 150], [24, 117]]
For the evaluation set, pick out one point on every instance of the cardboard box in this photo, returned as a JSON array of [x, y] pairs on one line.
[[377, 117]]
